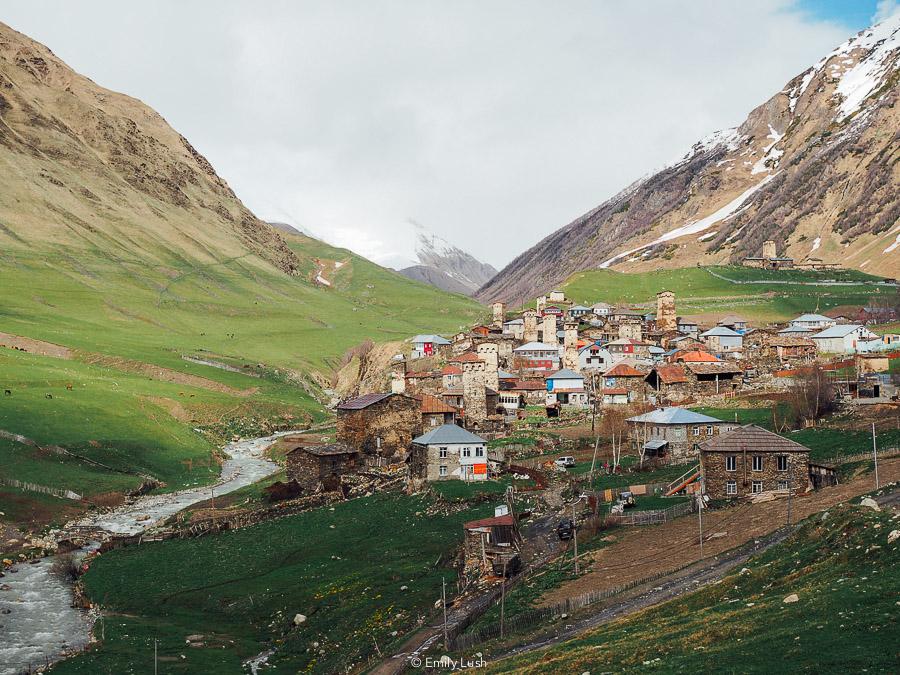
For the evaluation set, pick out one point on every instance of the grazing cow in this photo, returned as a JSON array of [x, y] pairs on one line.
[[7, 392], [68, 387], [48, 395]]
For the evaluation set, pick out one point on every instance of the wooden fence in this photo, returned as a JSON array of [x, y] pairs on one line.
[[651, 517], [883, 453]]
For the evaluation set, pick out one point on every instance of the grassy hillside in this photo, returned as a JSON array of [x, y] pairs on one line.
[[243, 603], [757, 295], [134, 402], [839, 565]]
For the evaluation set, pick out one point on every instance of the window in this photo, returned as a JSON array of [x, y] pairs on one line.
[[479, 452], [731, 487], [757, 463], [709, 429], [730, 463], [756, 487], [434, 421], [467, 452], [442, 453], [442, 470], [696, 431], [782, 462], [782, 485]]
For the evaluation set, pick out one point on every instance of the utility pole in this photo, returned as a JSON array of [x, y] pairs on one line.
[[700, 518], [444, 604], [875, 454], [155, 660], [790, 491], [594, 459], [503, 599], [575, 534]]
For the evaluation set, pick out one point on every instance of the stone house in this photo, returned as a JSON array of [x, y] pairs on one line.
[[379, 424], [668, 381], [736, 323], [791, 348], [526, 392], [435, 412], [673, 432], [451, 376], [557, 296], [489, 543], [750, 460], [578, 311], [515, 328], [449, 452], [687, 326], [601, 308], [312, 466], [623, 376], [722, 340], [713, 377]]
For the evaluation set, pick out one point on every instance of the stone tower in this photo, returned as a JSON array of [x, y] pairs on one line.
[[474, 399], [499, 311], [769, 249], [665, 311], [398, 374], [549, 330], [570, 345], [541, 303], [531, 331], [630, 329], [488, 352]]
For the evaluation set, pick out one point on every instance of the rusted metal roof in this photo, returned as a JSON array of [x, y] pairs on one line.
[[623, 370], [496, 521], [432, 404], [671, 374], [363, 401], [720, 367]]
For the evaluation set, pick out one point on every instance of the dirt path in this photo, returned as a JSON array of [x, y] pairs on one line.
[[32, 346], [642, 551], [679, 583]]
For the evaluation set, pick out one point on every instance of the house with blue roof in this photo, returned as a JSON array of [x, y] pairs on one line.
[[673, 432], [449, 452]]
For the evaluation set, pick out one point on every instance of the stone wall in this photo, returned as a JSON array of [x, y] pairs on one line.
[[395, 421], [666, 318], [531, 331], [570, 346], [549, 330], [474, 399], [716, 476]]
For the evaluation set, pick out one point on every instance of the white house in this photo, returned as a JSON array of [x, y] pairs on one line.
[[537, 355], [812, 321], [578, 310], [843, 339], [595, 357], [427, 345], [723, 339], [566, 387], [557, 296], [601, 308], [451, 452], [516, 328]]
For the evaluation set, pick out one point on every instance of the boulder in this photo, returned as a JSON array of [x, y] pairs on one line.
[[870, 503], [893, 536], [299, 618], [793, 597]]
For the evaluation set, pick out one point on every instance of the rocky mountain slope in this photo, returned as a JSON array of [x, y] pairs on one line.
[[444, 265], [85, 169], [814, 168]]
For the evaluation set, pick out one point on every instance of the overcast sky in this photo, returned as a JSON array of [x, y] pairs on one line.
[[491, 123]]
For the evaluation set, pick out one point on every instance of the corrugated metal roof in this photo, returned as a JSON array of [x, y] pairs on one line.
[[448, 433], [837, 331], [537, 346], [490, 522], [435, 339], [720, 331], [623, 370], [363, 401], [671, 374], [751, 438], [432, 404], [565, 374], [673, 415]]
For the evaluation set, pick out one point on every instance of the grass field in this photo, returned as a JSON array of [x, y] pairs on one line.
[[345, 569], [845, 620], [699, 292], [124, 319]]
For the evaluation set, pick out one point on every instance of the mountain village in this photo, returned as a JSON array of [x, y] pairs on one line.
[[665, 437]]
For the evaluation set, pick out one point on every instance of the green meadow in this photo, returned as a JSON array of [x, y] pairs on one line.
[[698, 291]]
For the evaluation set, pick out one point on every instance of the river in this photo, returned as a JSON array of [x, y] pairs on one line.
[[42, 626]]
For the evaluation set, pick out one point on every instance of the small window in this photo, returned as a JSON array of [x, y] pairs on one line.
[[731, 487], [782, 485], [467, 452], [709, 430], [757, 463], [442, 453], [782, 462], [479, 452], [756, 487], [434, 421], [696, 431], [730, 463], [442, 470]]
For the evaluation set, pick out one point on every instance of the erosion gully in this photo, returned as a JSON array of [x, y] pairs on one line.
[[42, 626]]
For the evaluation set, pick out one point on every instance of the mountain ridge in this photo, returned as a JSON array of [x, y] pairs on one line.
[[815, 168]]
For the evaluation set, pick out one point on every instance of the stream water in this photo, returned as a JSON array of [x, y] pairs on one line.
[[42, 626]]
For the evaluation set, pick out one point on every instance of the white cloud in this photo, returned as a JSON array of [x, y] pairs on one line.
[[491, 123], [885, 9]]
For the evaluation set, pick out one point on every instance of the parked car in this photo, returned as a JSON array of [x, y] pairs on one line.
[[566, 529], [566, 462]]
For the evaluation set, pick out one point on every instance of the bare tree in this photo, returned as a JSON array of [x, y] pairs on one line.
[[812, 395]]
